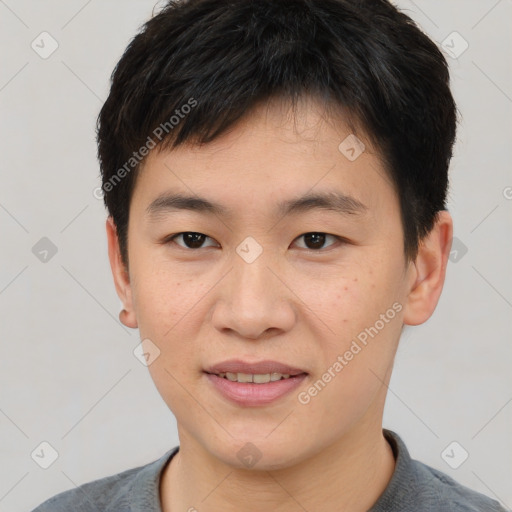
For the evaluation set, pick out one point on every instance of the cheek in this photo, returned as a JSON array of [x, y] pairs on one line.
[[163, 297], [170, 312], [345, 303], [165, 305], [355, 358], [361, 321]]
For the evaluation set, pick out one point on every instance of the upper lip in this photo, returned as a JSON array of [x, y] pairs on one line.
[[256, 368]]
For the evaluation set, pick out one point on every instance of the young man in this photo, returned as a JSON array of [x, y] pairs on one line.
[[276, 175]]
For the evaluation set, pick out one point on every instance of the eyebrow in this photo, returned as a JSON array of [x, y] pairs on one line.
[[333, 201]]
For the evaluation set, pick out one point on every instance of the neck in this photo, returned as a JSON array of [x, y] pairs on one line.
[[349, 474]]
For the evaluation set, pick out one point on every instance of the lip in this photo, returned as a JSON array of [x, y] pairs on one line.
[[261, 367], [249, 394]]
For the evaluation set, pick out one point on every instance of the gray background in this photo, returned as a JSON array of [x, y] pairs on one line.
[[68, 374]]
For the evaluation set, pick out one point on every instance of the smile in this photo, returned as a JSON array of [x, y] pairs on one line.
[[259, 378], [253, 389]]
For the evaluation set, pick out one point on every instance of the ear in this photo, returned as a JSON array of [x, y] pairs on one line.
[[428, 271], [121, 276]]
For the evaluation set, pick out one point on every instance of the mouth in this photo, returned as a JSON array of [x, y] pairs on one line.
[[262, 372], [253, 384], [255, 378]]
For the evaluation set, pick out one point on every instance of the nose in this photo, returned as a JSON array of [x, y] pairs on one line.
[[253, 301]]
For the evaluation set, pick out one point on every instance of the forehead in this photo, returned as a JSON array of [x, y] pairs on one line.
[[273, 155]]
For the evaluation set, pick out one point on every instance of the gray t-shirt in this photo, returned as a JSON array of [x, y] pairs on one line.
[[414, 487]]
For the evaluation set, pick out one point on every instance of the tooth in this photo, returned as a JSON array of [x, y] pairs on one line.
[[261, 379]]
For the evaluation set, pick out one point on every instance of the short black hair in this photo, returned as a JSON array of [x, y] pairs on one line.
[[198, 66]]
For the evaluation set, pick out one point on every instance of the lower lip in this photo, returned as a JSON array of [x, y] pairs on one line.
[[249, 394]]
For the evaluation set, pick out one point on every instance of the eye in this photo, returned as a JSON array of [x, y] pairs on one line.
[[316, 240], [191, 240]]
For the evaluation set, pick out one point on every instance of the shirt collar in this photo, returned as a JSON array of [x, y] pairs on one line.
[[404, 480], [145, 493]]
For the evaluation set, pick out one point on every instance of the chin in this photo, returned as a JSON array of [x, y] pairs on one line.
[[259, 453]]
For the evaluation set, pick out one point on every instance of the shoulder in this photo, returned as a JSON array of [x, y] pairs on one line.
[[449, 495], [91, 496], [416, 486], [133, 490]]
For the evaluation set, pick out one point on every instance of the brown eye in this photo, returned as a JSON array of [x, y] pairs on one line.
[[316, 240], [191, 239]]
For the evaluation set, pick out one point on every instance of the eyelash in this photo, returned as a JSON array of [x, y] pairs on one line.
[[171, 239]]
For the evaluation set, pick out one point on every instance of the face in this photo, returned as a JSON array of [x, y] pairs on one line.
[[315, 288]]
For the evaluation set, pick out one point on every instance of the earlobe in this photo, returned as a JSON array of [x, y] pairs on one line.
[[121, 276], [428, 271]]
